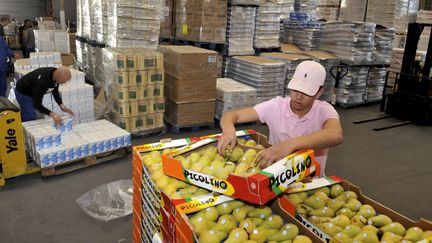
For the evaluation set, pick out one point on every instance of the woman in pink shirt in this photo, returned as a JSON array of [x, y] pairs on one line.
[[296, 122]]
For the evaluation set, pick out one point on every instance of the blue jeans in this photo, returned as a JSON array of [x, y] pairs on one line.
[[28, 112], [3, 83]]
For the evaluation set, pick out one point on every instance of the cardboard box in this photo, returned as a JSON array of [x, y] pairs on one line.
[[189, 113], [189, 90], [67, 59], [189, 62], [258, 188], [290, 207]]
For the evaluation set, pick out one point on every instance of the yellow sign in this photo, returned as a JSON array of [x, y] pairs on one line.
[[185, 29]]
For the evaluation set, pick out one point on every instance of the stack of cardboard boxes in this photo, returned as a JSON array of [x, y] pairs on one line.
[[135, 80], [201, 20], [190, 84], [49, 40], [166, 25]]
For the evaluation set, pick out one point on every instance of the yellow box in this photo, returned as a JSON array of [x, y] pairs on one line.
[[122, 108], [119, 93], [131, 62], [136, 123], [132, 75], [143, 92], [143, 107], [120, 61], [121, 78], [142, 78], [134, 108], [150, 106], [159, 105], [159, 119], [150, 60], [122, 122], [150, 120], [158, 91], [155, 76], [150, 92], [133, 93]]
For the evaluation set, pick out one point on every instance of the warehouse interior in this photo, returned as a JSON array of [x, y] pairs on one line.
[[145, 77]]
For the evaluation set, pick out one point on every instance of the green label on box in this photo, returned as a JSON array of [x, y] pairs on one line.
[[131, 63], [139, 79], [156, 92], [132, 94], [120, 95], [150, 121], [120, 63], [157, 77], [120, 79], [145, 93], [149, 62], [122, 125], [161, 106], [139, 123], [142, 108]]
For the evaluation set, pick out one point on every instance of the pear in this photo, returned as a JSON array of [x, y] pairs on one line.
[[380, 220], [241, 141], [250, 143], [336, 190], [257, 221], [351, 230], [427, 234], [170, 188], [221, 173], [200, 192], [287, 232], [205, 160], [260, 146], [217, 163], [247, 224], [302, 195], [209, 170], [322, 195], [370, 228], [166, 151], [325, 190], [211, 214], [323, 212], [335, 204], [225, 223], [341, 221], [294, 198], [330, 228], [366, 237], [228, 207], [198, 167], [237, 235], [341, 238], [194, 157], [188, 190], [358, 220], [345, 211], [302, 239], [318, 220], [391, 237], [261, 234], [394, 227], [260, 212], [219, 157], [314, 202], [156, 175], [353, 204], [155, 154], [162, 182], [366, 211], [212, 236], [303, 209], [248, 157], [175, 196], [273, 222], [414, 234], [201, 224], [155, 167], [230, 168], [347, 195], [236, 154], [240, 213]]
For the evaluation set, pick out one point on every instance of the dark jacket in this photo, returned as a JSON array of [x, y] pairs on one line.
[[36, 84], [5, 52]]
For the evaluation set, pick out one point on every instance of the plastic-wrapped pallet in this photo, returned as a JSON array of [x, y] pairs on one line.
[[352, 88], [352, 10], [233, 95], [306, 36], [375, 84], [291, 61], [287, 6], [267, 26], [266, 75], [166, 30], [353, 43], [405, 12], [135, 83], [133, 23], [85, 19], [96, 21], [38, 60], [383, 45], [240, 30], [328, 60], [105, 21], [52, 40], [424, 17], [244, 2], [50, 146], [307, 7], [79, 20], [381, 12]]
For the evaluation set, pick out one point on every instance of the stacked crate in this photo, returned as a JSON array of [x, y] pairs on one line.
[[267, 26], [135, 83], [328, 10], [190, 85]]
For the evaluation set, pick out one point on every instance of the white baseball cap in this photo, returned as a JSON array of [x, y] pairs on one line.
[[308, 77]]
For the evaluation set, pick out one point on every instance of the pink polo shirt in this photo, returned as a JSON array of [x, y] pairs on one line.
[[284, 124]]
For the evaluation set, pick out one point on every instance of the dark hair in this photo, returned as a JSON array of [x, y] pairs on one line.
[[27, 20], [4, 19], [35, 23]]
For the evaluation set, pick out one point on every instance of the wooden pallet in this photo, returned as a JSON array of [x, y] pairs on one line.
[[84, 162], [218, 47], [175, 129], [148, 132]]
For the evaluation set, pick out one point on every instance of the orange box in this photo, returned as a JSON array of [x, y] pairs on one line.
[[290, 207], [258, 188]]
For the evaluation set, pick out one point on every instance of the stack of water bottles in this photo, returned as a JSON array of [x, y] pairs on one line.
[[51, 145]]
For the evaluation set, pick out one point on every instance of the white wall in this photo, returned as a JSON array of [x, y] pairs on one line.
[[22, 9]]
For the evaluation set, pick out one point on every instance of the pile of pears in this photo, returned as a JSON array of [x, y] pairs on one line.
[[339, 214], [237, 222], [238, 161], [176, 189]]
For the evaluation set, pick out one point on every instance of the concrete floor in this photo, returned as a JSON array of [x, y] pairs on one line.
[[392, 166]]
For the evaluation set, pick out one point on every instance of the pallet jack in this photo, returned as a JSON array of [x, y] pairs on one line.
[[410, 100], [13, 159]]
